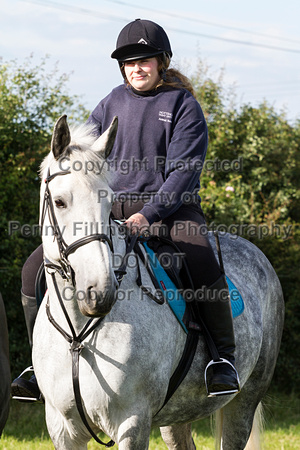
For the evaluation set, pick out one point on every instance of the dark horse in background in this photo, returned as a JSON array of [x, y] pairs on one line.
[[4, 368]]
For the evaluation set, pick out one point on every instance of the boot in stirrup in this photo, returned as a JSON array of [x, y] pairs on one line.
[[21, 388], [221, 377]]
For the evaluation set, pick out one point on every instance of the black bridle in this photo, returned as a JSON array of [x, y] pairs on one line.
[[65, 270]]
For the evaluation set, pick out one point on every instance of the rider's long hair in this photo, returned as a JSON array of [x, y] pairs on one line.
[[172, 77]]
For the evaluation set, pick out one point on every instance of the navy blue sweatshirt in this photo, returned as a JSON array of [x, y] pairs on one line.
[[160, 146]]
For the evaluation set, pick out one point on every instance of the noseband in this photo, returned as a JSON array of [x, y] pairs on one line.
[[64, 268]]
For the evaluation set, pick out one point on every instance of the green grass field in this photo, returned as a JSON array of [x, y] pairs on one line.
[[26, 428]]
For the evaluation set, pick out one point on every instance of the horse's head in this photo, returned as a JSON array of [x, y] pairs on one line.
[[75, 206]]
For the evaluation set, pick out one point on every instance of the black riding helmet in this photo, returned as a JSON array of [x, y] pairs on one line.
[[141, 39]]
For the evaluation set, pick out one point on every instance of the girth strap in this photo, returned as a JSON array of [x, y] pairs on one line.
[[183, 365]]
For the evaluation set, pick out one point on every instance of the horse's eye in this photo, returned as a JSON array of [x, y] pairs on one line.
[[59, 203]]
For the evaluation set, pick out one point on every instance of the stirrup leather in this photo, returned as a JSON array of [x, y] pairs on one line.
[[227, 391]]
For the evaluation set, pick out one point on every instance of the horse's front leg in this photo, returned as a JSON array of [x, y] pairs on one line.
[[134, 432], [65, 435], [178, 437]]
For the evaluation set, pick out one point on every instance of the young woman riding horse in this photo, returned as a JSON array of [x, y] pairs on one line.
[[162, 137]]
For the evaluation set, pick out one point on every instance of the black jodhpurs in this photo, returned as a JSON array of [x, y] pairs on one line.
[[186, 228]]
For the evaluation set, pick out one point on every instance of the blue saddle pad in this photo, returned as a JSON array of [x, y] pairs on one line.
[[176, 300]]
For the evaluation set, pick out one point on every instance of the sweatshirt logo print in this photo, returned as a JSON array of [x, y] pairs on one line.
[[165, 116]]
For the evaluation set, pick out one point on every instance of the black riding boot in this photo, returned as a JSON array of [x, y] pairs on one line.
[[21, 388], [215, 309]]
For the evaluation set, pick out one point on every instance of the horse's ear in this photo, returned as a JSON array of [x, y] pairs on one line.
[[61, 137], [104, 144]]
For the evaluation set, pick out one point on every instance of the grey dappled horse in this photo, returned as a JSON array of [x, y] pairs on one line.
[[126, 362], [4, 368]]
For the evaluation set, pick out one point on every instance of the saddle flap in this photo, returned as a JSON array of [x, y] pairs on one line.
[[169, 282]]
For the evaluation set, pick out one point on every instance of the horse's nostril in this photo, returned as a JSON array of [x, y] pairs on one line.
[[91, 294]]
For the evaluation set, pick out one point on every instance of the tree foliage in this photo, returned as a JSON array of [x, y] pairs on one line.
[[266, 188], [32, 97]]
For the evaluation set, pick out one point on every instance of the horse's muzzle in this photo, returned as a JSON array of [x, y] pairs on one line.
[[95, 303]]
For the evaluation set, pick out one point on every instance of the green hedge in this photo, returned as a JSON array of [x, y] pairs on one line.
[[263, 191]]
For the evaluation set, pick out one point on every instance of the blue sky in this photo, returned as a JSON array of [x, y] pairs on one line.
[[82, 35]]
